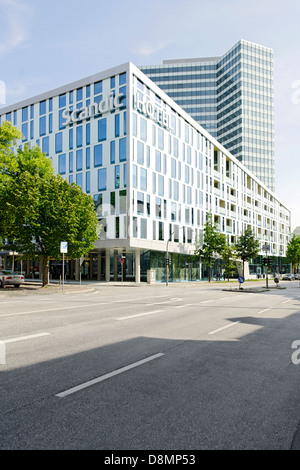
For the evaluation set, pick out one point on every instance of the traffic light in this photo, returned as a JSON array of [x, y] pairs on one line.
[[267, 262], [168, 262]]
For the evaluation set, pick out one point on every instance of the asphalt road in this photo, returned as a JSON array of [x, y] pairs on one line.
[[184, 367]]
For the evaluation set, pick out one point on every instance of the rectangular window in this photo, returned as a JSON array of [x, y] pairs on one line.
[[160, 185], [140, 203], [88, 158], [31, 130], [134, 125], [143, 129], [88, 134], [160, 230], [134, 176], [62, 164], [157, 160], [79, 136], [24, 114], [42, 108], [50, 105], [25, 131], [42, 126], [140, 153], [125, 123], [50, 123], [61, 119], [143, 176], [71, 143], [79, 179], [71, 97], [122, 79], [134, 227], [112, 203], [58, 142], [160, 139], [98, 155], [98, 88], [102, 179], [45, 145], [158, 208], [71, 162], [122, 149], [117, 176], [117, 125], [32, 111], [88, 91], [79, 94], [102, 130], [124, 175], [79, 160], [123, 200], [88, 182], [112, 82], [112, 151], [144, 228], [62, 101]]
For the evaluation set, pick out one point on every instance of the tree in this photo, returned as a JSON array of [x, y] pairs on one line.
[[213, 244], [45, 212], [247, 247], [293, 251], [228, 256]]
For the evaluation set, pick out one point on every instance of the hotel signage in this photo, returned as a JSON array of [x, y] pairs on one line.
[[151, 111], [110, 103]]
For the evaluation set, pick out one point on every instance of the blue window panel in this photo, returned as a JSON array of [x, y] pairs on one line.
[[112, 82], [117, 125], [134, 125], [70, 162], [98, 155], [50, 123], [102, 179], [25, 131], [61, 119], [112, 151], [88, 182], [62, 100], [88, 134], [15, 118], [134, 176], [122, 149], [98, 88], [42, 126], [102, 127], [24, 114], [71, 179], [79, 105], [31, 130], [125, 123], [71, 143], [88, 158], [50, 105], [88, 91], [32, 111], [79, 136], [143, 129], [122, 79], [117, 176], [79, 179], [58, 142], [43, 108], [98, 99], [71, 97], [45, 145], [62, 164], [124, 175], [79, 94], [79, 160], [8, 117]]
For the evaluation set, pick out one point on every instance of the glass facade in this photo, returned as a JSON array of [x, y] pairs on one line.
[[231, 97]]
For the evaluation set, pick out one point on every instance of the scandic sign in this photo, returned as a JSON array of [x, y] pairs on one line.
[[110, 103]]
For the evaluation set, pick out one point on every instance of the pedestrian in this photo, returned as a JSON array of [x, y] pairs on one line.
[[224, 275]]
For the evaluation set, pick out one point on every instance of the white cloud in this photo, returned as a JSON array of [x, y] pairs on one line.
[[15, 24]]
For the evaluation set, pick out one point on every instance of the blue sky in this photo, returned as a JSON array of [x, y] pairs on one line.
[[45, 44]]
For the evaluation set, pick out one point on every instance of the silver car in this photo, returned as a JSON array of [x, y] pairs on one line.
[[288, 277], [10, 278]]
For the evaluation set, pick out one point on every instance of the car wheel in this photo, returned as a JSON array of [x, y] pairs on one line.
[[17, 285]]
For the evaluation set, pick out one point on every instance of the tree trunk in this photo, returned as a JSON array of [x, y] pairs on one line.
[[45, 271]]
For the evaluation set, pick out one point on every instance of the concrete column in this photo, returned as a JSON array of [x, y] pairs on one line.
[[77, 268], [115, 265], [107, 265], [137, 265]]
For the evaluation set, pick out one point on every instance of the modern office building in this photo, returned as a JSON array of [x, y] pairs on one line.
[[154, 174], [231, 97]]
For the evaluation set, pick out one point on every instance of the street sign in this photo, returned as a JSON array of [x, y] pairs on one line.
[[64, 247], [122, 260], [241, 280], [266, 247]]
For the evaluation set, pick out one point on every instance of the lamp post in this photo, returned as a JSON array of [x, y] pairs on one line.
[[13, 254], [167, 260]]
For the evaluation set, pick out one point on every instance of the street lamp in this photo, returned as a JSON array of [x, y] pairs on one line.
[[13, 254]]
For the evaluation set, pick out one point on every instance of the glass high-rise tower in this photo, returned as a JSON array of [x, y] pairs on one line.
[[231, 97]]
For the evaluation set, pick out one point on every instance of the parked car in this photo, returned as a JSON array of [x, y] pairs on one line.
[[10, 278], [297, 276], [288, 277]]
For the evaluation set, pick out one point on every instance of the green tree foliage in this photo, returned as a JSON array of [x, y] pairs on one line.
[[247, 247], [293, 251], [213, 244], [39, 210], [228, 256]]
